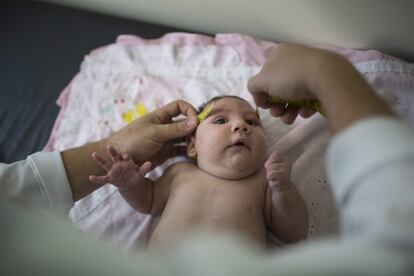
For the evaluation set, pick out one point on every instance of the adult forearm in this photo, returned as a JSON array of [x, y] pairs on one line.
[[79, 165], [344, 93]]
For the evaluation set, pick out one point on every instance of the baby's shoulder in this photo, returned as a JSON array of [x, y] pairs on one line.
[[179, 167]]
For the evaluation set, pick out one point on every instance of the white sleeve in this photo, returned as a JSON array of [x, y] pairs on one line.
[[39, 181], [371, 167]]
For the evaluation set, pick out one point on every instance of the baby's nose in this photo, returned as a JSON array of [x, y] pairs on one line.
[[240, 126]]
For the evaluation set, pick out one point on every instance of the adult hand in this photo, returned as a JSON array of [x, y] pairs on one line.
[[150, 137], [285, 75], [297, 72]]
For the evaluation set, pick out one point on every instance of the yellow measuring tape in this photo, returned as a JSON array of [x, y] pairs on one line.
[[312, 103], [203, 114]]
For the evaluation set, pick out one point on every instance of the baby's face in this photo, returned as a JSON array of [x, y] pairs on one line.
[[230, 142]]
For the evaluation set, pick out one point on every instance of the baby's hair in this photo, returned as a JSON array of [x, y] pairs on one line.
[[201, 107]]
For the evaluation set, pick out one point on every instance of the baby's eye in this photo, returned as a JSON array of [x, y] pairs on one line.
[[220, 121], [252, 122]]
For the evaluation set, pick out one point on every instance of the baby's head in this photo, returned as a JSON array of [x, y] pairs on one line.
[[229, 143]]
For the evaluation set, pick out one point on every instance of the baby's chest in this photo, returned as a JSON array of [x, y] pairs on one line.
[[219, 197]]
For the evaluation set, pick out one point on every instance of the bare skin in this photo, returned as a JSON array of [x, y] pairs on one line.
[[150, 137], [296, 72], [231, 188]]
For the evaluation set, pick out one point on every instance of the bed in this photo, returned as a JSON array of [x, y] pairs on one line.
[[110, 71]]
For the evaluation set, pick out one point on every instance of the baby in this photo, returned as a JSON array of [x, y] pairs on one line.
[[230, 187]]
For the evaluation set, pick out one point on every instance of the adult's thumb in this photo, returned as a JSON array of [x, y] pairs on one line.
[[177, 129], [254, 85], [257, 87]]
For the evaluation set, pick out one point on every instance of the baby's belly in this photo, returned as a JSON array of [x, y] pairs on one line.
[[181, 218]]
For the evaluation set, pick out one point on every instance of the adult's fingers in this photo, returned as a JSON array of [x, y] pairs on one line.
[[277, 110], [306, 112], [167, 132], [257, 83], [261, 100], [290, 114], [165, 129], [258, 87], [167, 112]]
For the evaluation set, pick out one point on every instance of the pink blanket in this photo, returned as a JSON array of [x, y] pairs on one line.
[[124, 80]]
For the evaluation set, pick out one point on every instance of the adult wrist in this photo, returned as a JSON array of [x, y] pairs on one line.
[[79, 165], [344, 94], [324, 71]]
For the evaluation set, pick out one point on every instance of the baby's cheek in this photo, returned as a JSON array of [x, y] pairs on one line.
[[262, 151], [206, 149]]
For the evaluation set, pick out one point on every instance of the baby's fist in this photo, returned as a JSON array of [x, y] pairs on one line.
[[278, 170]]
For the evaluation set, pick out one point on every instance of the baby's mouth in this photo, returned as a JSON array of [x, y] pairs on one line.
[[240, 143]]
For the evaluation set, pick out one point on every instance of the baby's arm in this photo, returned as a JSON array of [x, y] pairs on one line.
[[140, 192], [286, 211]]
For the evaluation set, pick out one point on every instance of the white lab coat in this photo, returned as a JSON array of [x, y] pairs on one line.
[[371, 168]]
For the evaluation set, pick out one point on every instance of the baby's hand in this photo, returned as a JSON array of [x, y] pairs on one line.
[[278, 170], [121, 170]]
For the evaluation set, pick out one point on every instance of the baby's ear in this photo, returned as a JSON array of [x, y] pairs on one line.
[[191, 149]]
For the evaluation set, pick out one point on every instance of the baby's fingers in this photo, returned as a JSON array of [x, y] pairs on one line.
[[99, 179], [145, 168], [273, 184], [276, 167], [275, 157], [279, 186], [104, 163], [274, 174], [127, 157], [115, 156]]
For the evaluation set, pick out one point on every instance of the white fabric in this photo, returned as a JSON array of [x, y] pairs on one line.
[[39, 181], [375, 197], [373, 181]]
